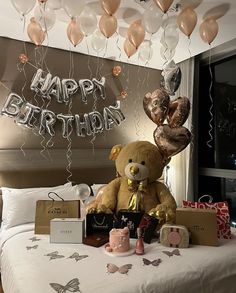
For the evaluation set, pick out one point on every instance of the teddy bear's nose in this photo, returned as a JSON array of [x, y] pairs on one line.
[[134, 170]]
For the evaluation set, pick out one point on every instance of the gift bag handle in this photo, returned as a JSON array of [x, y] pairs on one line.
[[52, 192], [210, 198]]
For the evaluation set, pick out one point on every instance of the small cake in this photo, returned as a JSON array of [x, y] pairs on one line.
[[119, 240]]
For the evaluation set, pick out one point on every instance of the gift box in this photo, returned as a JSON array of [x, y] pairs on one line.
[[174, 236], [201, 224], [148, 224], [67, 230], [130, 219], [100, 223]]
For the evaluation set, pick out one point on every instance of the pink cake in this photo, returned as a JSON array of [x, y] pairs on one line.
[[119, 240]]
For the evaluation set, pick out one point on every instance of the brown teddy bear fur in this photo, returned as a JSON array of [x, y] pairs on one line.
[[116, 195]]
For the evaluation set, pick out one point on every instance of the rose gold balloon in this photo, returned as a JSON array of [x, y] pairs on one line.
[[108, 25], [187, 21], [136, 34], [156, 106], [171, 141], [209, 30], [23, 58], [164, 5], [178, 112], [74, 33], [35, 32], [130, 50], [116, 70], [110, 6], [123, 94], [42, 1]]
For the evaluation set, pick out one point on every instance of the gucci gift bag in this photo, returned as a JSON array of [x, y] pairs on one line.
[[222, 214], [148, 225], [100, 223], [46, 210], [130, 219]]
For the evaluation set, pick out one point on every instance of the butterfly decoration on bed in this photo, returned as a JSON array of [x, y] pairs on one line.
[[54, 255], [111, 268], [155, 262], [71, 286], [31, 247], [34, 239], [171, 253], [77, 257]]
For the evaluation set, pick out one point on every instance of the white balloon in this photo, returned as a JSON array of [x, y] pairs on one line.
[[98, 41], [152, 20], [83, 191], [166, 54], [73, 7], [62, 16], [23, 6], [170, 37], [145, 51], [45, 16], [54, 4], [87, 21]]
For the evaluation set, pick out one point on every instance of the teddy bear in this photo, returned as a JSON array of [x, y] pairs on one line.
[[138, 164]]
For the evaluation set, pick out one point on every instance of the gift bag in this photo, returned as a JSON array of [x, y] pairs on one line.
[[130, 219], [148, 224], [222, 210], [46, 210], [100, 223]]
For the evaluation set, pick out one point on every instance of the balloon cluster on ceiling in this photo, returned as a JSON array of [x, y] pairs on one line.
[[84, 22]]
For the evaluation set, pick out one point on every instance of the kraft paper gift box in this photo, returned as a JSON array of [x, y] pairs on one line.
[[67, 230], [201, 223]]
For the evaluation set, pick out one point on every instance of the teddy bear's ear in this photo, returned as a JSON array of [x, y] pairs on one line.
[[115, 152]]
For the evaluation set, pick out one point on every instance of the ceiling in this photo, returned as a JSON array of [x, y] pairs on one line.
[[12, 26]]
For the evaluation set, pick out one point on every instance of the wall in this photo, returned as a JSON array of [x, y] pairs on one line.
[[135, 80]]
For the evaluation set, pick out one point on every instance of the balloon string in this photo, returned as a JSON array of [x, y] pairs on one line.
[[69, 148], [136, 112], [118, 45], [88, 63], [209, 142], [189, 44], [3, 85]]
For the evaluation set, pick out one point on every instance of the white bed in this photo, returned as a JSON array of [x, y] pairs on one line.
[[26, 268]]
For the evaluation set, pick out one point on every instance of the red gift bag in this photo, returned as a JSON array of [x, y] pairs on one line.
[[223, 218]]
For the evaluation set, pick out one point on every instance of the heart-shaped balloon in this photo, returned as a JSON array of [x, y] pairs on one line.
[[171, 141], [178, 112], [156, 106]]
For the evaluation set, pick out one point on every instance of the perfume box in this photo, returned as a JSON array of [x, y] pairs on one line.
[[67, 230], [201, 223]]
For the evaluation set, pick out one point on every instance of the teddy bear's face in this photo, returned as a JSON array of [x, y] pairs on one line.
[[140, 160]]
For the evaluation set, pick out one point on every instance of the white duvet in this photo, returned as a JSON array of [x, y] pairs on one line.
[[33, 265]]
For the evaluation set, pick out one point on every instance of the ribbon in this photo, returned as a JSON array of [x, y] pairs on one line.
[[136, 199]]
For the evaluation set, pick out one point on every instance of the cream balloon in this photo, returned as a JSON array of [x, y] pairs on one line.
[[35, 32], [170, 37], [110, 6], [54, 4], [187, 21], [98, 41], [164, 5], [108, 25], [45, 16], [209, 30], [23, 6], [88, 21], [136, 33], [151, 20], [145, 51], [73, 7], [129, 48], [74, 32]]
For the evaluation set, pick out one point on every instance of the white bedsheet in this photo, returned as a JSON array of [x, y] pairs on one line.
[[26, 268]]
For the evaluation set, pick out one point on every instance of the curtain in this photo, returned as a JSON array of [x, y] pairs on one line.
[[179, 172]]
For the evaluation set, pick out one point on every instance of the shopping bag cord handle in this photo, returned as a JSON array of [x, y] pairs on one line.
[[210, 198], [52, 192]]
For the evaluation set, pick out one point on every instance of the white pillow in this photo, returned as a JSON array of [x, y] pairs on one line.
[[19, 204], [96, 188]]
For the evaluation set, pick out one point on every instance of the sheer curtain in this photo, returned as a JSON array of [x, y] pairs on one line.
[[179, 175]]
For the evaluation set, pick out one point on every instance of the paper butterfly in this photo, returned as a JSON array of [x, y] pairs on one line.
[[78, 257], [111, 268], [171, 253], [72, 286], [54, 255], [155, 262], [31, 247], [33, 239]]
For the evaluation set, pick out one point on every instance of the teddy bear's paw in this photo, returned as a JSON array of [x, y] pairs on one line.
[[92, 208], [103, 209]]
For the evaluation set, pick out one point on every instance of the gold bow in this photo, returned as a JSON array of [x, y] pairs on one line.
[[136, 199]]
